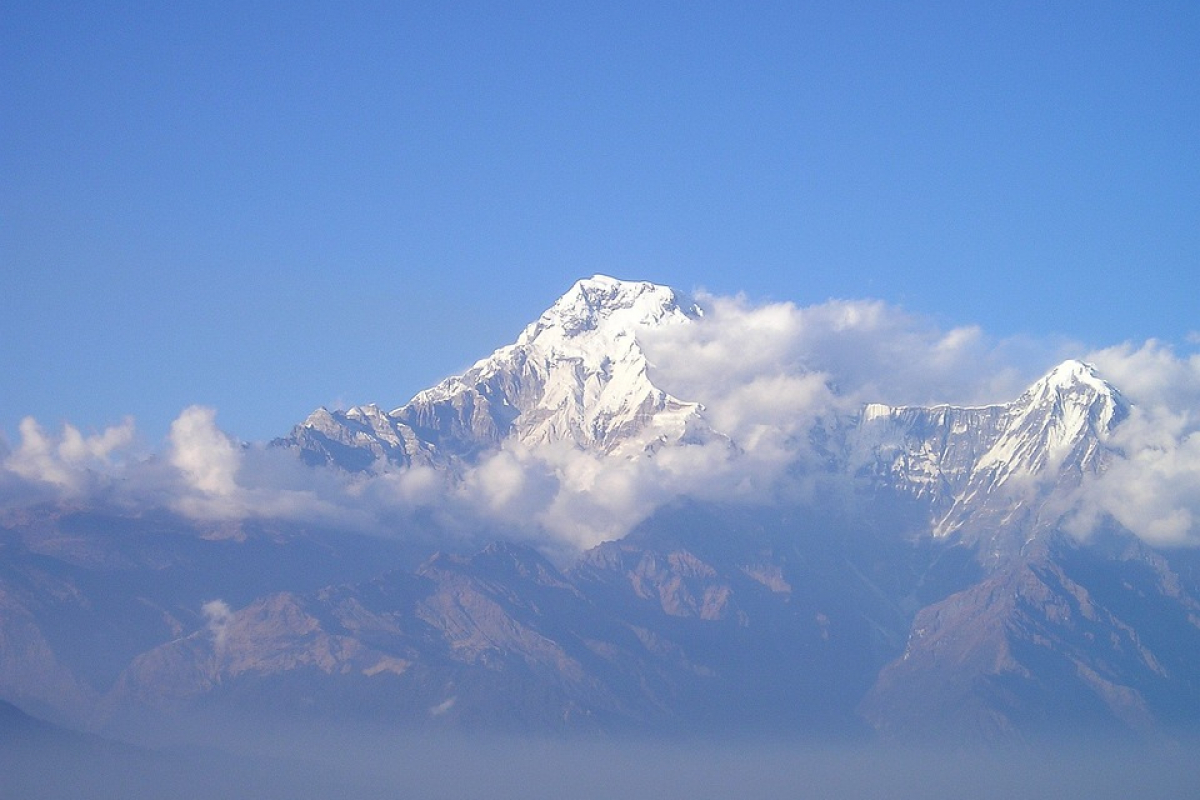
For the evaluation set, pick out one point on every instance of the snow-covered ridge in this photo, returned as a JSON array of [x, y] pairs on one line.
[[619, 306], [596, 321]]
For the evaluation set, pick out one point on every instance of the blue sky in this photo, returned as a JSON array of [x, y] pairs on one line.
[[267, 207]]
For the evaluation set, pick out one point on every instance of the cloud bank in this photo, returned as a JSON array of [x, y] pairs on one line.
[[771, 378], [865, 350]]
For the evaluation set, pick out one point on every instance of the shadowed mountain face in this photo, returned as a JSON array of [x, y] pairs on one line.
[[926, 587], [1102, 636], [704, 618]]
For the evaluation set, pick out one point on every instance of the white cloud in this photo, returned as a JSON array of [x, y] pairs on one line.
[[1153, 489], [599, 499], [223, 479], [71, 461], [1151, 374], [499, 480], [866, 351], [204, 454]]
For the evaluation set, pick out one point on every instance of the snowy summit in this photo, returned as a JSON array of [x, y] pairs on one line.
[[576, 375]]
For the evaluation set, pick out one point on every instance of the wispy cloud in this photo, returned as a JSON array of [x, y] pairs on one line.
[[217, 616], [443, 707]]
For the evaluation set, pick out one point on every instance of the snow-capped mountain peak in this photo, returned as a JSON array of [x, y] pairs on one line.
[[1062, 419], [595, 324], [978, 466], [617, 305], [577, 375], [1071, 377]]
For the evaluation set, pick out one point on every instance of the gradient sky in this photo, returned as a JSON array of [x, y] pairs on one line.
[[266, 207]]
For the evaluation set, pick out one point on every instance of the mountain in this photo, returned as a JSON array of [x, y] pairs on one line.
[[927, 587], [661, 632], [576, 375], [1099, 637], [979, 469], [84, 591]]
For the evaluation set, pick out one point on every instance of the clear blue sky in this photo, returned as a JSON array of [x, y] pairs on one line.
[[265, 207]]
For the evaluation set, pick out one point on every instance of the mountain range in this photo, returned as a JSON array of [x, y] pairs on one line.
[[921, 574]]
